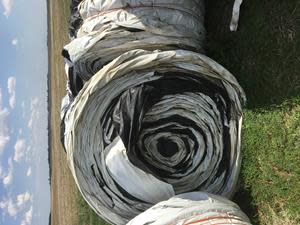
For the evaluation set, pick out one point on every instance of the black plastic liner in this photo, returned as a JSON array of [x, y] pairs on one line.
[[75, 19], [127, 117]]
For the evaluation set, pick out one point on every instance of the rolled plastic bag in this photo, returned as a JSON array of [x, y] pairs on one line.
[[192, 208], [111, 28], [150, 125]]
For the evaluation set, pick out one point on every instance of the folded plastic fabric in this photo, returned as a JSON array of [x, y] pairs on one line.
[[75, 19], [150, 125], [235, 15], [111, 28], [192, 208], [147, 116]]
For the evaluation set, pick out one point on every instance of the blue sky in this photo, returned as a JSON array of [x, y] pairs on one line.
[[24, 170]]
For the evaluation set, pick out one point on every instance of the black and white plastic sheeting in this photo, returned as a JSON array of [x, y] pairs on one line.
[[195, 208], [146, 117], [111, 28], [150, 125], [75, 20]]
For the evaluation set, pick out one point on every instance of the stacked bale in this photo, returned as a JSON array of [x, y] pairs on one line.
[[196, 208], [147, 116]]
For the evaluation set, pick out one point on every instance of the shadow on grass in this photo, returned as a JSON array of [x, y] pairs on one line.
[[245, 201], [264, 54]]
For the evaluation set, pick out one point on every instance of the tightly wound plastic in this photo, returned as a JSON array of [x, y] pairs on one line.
[[144, 120], [111, 28], [153, 124], [195, 208]]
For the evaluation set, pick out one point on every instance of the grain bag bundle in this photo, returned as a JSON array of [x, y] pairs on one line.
[[111, 28], [195, 208], [153, 124], [146, 117]]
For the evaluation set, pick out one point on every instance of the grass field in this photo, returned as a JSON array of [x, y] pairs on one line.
[[264, 55]]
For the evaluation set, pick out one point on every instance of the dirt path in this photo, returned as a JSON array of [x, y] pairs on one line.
[[63, 189]]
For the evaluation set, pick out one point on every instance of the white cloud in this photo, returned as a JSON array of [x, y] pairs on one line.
[[30, 123], [29, 152], [9, 206], [34, 102], [4, 128], [11, 86], [3, 142], [13, 208], [35, 114], [19, 150], [37, 123], [23, 198], [27, 217], [23, 109], [29, 172], [3, 204], [7, 5], [8, 178], [14, 41], [11, 83]]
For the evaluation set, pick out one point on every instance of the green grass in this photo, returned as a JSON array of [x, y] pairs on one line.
[[264, 55], [270, 174], [86, 215]]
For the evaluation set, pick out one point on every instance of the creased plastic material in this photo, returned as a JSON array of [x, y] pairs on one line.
[[75, 19], [235, 15], [171, 117], [111, 28], [192, 208], [147, 115]]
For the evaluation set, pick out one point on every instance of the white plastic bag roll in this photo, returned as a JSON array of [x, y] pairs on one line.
[[147, 115], [195, 208], [111, 28], [150, 125]]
